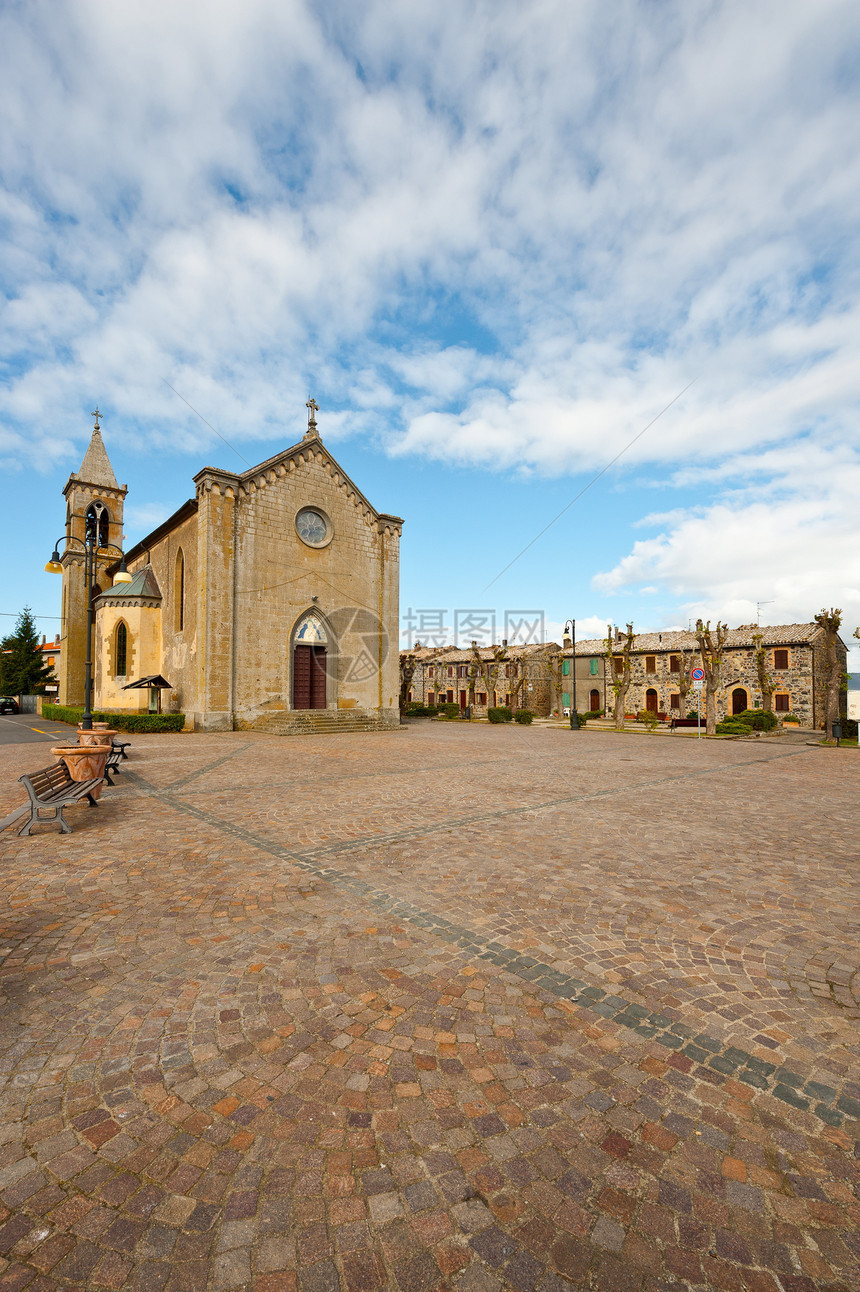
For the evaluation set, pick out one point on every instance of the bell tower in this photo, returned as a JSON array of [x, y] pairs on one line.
[[94, 483]]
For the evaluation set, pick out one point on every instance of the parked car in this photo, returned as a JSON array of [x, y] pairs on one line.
[[8, 704]]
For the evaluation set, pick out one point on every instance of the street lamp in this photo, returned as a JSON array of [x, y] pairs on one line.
[[92, 548], [570, 640]]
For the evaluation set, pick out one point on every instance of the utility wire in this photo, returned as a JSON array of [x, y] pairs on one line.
[[203, 419], [594, 480]]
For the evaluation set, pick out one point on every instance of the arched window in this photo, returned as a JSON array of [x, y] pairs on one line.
[[98, 524], [120, 653], [179, 592]]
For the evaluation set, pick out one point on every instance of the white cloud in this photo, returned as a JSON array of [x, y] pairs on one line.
[[499, 236]]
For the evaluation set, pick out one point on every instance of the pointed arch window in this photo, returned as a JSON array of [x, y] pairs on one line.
[[121, 650], [179, 592]]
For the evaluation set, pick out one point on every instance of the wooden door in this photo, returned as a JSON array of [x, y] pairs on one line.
[[651, 700], [463, 701], [739, 700], [302, 677], [317, 696], [595, 701]]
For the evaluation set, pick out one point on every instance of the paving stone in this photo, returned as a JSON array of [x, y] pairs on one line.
[[347, 1013]]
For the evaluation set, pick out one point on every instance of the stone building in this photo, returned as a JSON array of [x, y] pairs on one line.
[[794, 660], [524, 677], [269, 600]]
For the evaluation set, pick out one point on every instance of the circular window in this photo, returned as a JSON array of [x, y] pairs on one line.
[[313, 527]]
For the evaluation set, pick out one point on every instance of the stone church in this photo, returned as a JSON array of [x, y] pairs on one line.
[[268, 601]]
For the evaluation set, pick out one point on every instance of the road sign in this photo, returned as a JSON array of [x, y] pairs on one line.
[[698, 674], [698, 686]]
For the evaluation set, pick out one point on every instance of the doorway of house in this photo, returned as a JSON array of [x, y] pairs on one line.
[[595, 701], [739, 700], [651, 700]]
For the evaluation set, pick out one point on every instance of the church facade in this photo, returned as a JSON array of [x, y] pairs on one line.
[[268, 601]]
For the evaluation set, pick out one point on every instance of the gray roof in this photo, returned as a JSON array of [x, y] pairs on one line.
[[144, 585], [680, 639]]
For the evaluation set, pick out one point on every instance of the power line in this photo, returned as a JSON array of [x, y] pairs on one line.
[[209, 424], [594, 480]]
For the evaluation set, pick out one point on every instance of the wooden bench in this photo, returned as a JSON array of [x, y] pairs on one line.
[[51, 789], [122, 746]]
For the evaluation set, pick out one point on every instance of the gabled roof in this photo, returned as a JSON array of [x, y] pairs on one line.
[[310, 443]]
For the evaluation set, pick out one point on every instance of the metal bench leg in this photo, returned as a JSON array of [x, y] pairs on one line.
[[93, 802]]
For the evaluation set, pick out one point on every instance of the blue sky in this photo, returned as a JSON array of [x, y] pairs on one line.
[[494, 241]]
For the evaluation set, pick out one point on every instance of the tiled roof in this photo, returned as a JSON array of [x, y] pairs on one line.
[[677, 640], [454, 655]]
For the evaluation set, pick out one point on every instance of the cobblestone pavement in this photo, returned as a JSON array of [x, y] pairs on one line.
[[451, 1007]]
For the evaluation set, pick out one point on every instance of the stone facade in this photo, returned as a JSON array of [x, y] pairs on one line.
[[795, 661], [94, 483], [524, 678], [794, 655], [224, 586]]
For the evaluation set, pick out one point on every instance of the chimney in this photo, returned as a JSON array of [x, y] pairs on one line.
[[618, 634], [504, 641], [44, 639]]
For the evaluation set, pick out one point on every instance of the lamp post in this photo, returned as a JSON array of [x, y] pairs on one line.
[[570, 640], [92, 549]]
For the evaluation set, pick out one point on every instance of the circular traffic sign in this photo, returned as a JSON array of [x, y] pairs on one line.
[[698, 674]]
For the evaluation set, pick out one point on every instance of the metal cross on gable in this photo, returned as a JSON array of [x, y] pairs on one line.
[[96, 414], [313, 408]]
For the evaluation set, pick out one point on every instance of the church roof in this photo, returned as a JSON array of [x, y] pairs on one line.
[[96, 468], [144, 586]]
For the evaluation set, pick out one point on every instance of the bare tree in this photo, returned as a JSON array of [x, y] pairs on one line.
[[830, 623], [619, 663], [685, 658], [766, 683], [489, 669], [408, 665], [711, 647]]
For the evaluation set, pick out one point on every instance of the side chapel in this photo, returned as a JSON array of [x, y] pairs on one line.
[[268, 601]]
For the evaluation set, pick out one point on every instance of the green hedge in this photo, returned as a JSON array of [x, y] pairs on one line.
[[417, 710], [451, 709], [758, 719], [499, 714], [139, 722], [733, 727], [524, 717]]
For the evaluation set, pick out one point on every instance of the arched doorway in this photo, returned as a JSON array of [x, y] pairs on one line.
[[651, 700], [739, 700], [310, 641], [595, 701]]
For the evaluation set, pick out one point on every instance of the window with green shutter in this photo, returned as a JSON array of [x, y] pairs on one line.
[[565, 667], [592, 667], [565, 699]]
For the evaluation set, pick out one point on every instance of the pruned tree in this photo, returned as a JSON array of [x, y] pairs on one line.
[[23, 670], [830, 623], [408, 665], [711, 647], [684, 680], [766, 681], [489, 668], [620, 674]]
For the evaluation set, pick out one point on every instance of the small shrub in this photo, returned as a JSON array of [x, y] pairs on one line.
[[758, 719], [418, 710], [733, 727], [499, 714], [450, 709], [694, 713], [524, 717], [790, 717], [139, 722]]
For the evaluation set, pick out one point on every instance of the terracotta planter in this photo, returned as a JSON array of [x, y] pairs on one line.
[[84, 762], [100, 735]]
